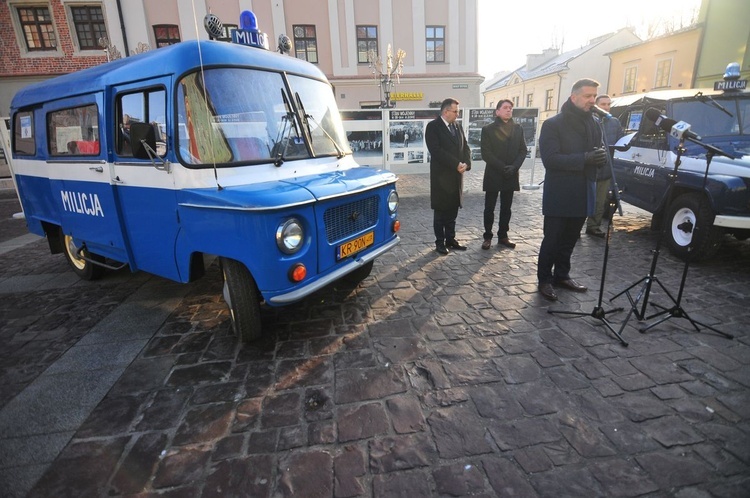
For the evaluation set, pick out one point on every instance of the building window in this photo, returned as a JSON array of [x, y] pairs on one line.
[[628, 85], [305, 43], [226, 32], [89, 26], [529, 100], [515, 101], [663, 73], [549, 100], [166, 34], [36, 23], [435, 43], [367, 40]]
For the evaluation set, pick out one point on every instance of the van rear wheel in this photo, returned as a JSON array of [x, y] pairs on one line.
[[86, 270], [242, 297]]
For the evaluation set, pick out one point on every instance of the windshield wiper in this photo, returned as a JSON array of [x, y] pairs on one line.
[[305, 116], [282, 139], [340, 151], [308, 118], [703, 98], [282, 136]]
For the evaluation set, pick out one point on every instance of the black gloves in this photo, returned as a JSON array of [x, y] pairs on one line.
[[597, 157], [509, 170]]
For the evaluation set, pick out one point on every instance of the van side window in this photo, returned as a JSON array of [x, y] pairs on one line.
[[146, 106], [649, 135], [24, 142], [74, 131]]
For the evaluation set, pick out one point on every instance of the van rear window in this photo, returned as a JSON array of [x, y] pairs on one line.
[[24, 142]]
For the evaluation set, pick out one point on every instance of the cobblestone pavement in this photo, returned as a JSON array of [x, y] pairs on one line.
[[437, 376]]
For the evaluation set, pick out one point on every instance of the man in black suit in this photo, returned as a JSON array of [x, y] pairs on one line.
[[450, 157], [570, 144]]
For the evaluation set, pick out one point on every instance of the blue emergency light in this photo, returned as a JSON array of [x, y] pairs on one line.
[[248, 33]]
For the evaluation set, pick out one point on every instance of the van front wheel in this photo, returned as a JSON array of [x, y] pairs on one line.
[[242, 298], [691, 233], [86, 270]]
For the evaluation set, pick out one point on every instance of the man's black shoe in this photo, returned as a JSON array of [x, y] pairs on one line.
[[548, 292], [596, 232], [440, 247], [453, 244], [571, 284]]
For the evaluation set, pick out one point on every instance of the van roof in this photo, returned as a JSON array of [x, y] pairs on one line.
[[665, 95], [174, 59]]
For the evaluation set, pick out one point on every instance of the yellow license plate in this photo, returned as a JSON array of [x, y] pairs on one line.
[[354, 246]]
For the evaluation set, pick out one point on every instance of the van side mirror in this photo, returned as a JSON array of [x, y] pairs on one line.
[[142, 138]]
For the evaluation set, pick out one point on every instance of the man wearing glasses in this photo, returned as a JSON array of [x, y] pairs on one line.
[[450, 157]]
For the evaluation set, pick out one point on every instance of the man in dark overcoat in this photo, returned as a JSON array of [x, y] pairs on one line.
[[450, 157], [503, 150], [612, 133], [571, 148]]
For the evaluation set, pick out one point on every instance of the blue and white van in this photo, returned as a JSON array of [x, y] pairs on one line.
[[202, 148]]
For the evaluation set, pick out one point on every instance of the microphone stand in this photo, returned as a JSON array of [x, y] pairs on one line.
[[675, 311], [614, 204]]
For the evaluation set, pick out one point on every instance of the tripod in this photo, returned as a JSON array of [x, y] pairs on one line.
[[614, 203], [676, 310]]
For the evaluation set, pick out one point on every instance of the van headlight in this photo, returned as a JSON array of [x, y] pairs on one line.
[[392, 201], [289, 236]]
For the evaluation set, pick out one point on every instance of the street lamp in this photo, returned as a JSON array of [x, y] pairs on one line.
[[386, 73]]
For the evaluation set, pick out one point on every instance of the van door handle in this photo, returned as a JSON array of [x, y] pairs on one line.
[[636, 155], [117, 180], [98, 169]]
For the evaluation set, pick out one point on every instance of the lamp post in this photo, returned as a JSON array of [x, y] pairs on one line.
[[387, 73]]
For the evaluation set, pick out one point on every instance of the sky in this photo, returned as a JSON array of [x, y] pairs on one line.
[[506, 33]]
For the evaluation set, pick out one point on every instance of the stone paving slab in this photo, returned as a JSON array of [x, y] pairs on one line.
[[437, 376]]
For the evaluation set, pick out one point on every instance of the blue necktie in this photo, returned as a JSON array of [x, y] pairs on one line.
[[452, 127]]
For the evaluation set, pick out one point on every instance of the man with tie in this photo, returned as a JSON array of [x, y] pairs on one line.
[[450, 157]]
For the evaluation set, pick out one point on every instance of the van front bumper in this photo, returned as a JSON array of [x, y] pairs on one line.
[[304, 291], [742, 222]]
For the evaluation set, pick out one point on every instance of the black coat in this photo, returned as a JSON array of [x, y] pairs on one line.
[[613, 131], [446, 151], [569, 185], [499, 151]]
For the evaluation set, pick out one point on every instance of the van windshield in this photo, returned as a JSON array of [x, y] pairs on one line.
[[322, 118], [729, 117], [244, 116]]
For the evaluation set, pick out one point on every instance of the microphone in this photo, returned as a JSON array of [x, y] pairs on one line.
[[678, 129], [595, 109], [681, 130]]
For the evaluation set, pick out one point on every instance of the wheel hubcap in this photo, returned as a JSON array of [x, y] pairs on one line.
[[682, 226], [72, 251]]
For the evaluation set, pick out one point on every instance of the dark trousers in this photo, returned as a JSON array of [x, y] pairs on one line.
[[560, 238], [490, 201], [444, 223]]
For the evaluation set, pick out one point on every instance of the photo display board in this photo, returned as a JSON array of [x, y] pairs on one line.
[[395, 137]]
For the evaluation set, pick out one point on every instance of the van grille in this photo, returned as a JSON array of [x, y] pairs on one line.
[[346, 220]]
